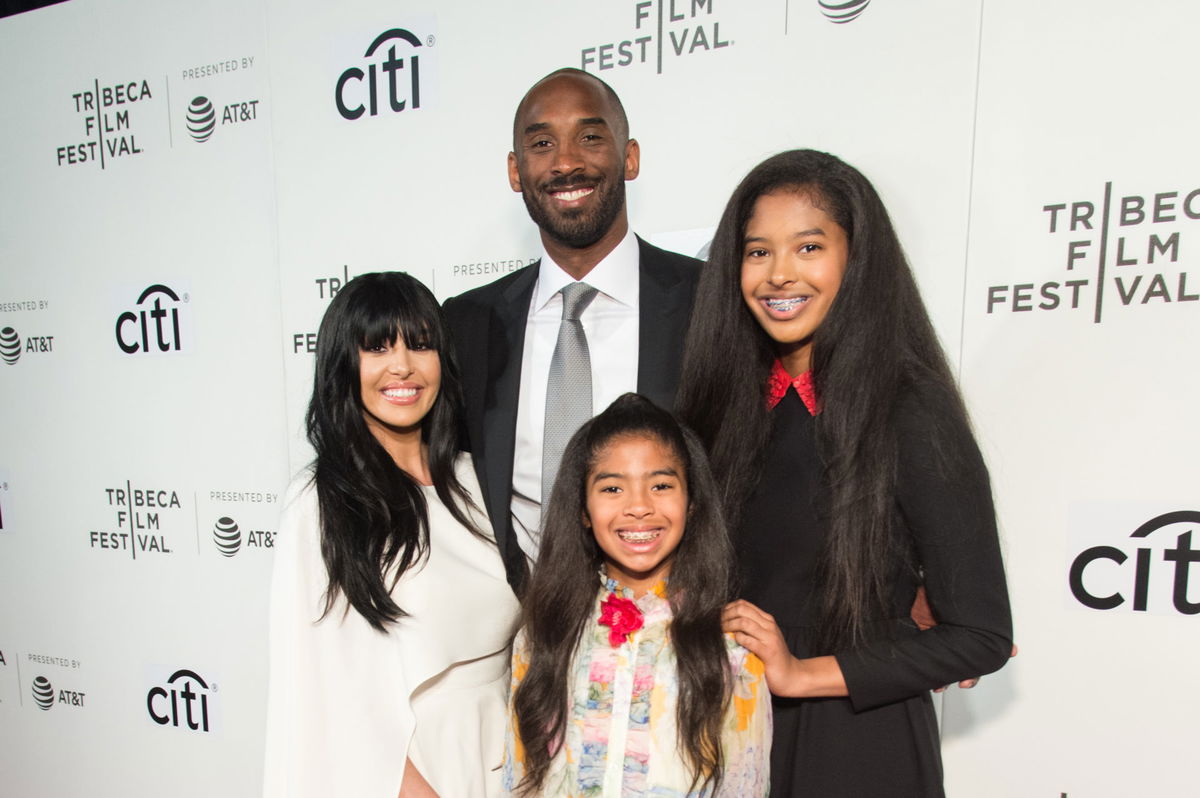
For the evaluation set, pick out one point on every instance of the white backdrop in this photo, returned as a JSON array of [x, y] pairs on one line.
[[196, 153]]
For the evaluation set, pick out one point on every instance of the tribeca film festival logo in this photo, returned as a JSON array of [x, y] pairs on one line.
[[107, 127], [183, 701], [327, 288], [661, 29], [1120, 252], [358, 92], [142, 516], [46, 694], [1157, 579], [11, 345], [842, 12], [229, 537], [157, 324]]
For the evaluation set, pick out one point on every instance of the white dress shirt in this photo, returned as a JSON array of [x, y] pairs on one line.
[[610, 323]]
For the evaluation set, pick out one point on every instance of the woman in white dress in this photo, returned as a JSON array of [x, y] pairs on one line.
[[390, 613]]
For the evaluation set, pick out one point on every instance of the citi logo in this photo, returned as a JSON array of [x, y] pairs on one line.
[[154, 325], [403, 90], [43, 693], [841, 13], [10, 346], [201, 119], [1100, 576], [227, 536], [181, 702]]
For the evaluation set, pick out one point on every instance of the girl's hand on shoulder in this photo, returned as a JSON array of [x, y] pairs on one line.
[[758, 633], [814, 677]]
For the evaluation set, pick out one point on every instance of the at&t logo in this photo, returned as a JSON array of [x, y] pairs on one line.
[[1102, 578], [202, 116], [43, 692], [842, 11], [183, 702], [11, 347], [227, 537], [156, 325], [44, 695], [403, 90], [201, 119]]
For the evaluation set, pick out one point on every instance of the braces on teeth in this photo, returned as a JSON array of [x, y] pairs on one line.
[[786, 304], [638, 537]]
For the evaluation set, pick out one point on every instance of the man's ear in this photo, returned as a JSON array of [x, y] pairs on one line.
[[514, 174], [633, 159]]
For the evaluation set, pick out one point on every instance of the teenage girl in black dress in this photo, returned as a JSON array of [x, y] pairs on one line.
[[814, 377]]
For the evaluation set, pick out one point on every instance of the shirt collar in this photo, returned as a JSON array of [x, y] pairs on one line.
[[616, 276], [779, 381]]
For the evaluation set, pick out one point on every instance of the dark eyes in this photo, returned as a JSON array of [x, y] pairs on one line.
[[587, 138], [658, 486], [758, 252], [379, 349]]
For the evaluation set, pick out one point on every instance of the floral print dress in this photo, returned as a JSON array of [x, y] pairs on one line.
[[621, 736]]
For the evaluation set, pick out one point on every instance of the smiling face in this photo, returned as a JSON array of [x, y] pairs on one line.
[[571, 158], [793, 259], [637, 503], [399, 385]]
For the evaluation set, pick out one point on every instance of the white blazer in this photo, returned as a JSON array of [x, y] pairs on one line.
[[348, 704]]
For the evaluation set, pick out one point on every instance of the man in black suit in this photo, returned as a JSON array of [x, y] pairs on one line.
[[571, 157]]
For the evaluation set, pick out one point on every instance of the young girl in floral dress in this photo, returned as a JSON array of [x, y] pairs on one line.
[[623, 683]]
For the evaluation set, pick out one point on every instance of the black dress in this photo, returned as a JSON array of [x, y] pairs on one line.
[[883, 739]]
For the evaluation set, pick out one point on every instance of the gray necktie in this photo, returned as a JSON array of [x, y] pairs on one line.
[[569, 387]]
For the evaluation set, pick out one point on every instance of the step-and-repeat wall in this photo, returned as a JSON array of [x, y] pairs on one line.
[[183, 187]]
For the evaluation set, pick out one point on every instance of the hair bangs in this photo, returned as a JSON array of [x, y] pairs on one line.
[[394, 310]]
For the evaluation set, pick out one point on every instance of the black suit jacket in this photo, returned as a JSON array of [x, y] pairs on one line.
[[488, 327]]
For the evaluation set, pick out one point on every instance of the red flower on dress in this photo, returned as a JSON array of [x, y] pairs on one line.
[[622, 616]]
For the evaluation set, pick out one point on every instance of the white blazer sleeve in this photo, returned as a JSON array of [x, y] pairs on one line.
[[339, 721]]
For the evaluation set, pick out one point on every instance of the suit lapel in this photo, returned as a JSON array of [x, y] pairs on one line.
[[662, 322], [505, 346]]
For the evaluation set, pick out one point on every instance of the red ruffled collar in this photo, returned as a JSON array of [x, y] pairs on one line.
[[779, 381]]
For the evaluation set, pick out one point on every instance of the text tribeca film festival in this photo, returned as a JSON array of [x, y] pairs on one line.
[[1121, 251], [109, 117]]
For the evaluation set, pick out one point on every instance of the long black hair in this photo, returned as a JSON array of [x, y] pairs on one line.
[[374, 519], [875, 343], [563, 593]]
